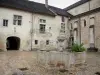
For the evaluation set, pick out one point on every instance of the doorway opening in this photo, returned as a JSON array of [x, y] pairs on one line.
[[13, 43]]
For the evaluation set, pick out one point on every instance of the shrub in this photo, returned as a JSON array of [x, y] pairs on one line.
[[77, 48]]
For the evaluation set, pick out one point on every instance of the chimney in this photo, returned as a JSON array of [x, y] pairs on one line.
[[46, 3]]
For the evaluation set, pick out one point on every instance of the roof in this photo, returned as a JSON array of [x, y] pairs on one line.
[[33, 7], [60, 11], [76, 4]]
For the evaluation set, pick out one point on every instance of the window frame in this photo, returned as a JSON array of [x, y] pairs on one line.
[[42, 20], [17, 20], [63, 28], [42, 28], [36, 42], [47, 42], [85, 23], [5, 22], [63, 19]]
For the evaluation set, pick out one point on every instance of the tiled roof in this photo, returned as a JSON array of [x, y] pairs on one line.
[[76, 4], [31, 6]]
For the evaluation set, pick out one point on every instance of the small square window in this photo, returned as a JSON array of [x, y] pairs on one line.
[[49, 28], [42, 21], [5, 22], [47, 42], [36, 42]]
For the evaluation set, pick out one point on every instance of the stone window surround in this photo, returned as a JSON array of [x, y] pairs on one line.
[[42, 23], [36, 42], [92, 44], [5, 22]]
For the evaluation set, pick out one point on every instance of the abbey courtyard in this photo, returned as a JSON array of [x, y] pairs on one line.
[[35, 36], [27, 25]]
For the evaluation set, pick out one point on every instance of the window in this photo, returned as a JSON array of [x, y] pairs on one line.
[[42, 28], [71, 33], [71, 26], [17, 20], [42, 21], [91, 33], [63, 19], [84, 23], [62, 28], [92, 21], [36, 42], [75, 35], [5, 22], [47, 42], [76, 23], [49, 28]]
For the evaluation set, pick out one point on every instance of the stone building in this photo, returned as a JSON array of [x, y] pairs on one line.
[[27, 25], [84, 26]]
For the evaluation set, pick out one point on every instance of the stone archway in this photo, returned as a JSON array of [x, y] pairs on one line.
[[13, 43]]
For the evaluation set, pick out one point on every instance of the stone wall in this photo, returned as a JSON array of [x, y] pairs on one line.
[[90, 5]]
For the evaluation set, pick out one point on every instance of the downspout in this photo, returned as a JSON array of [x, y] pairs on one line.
[[79, 30], [32, 33]]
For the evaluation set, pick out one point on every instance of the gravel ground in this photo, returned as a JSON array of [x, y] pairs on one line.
[[25, 63]]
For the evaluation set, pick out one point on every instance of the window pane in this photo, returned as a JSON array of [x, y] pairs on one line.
[[47, 42], [42, 28], [15, 17], [36, 42], [19, 17], [40, 20], [5, 22], [84, 23], [19, 22], [14, 22], [44, 21], [63, 19]]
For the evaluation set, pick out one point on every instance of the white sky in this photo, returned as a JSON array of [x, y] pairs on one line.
[[58, 3]]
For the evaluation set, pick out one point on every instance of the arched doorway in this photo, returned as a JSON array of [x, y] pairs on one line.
[[13, 43]]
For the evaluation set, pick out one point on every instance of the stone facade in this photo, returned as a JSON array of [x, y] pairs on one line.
[[29, 31], [83, 27], [85, 22]]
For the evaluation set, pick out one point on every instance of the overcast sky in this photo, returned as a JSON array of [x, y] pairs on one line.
[[58, 3]]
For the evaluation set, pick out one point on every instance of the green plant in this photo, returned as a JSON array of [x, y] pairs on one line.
[[77, 48]]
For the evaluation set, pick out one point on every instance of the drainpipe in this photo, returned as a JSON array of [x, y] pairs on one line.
[[79, 30], [32, 33]]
